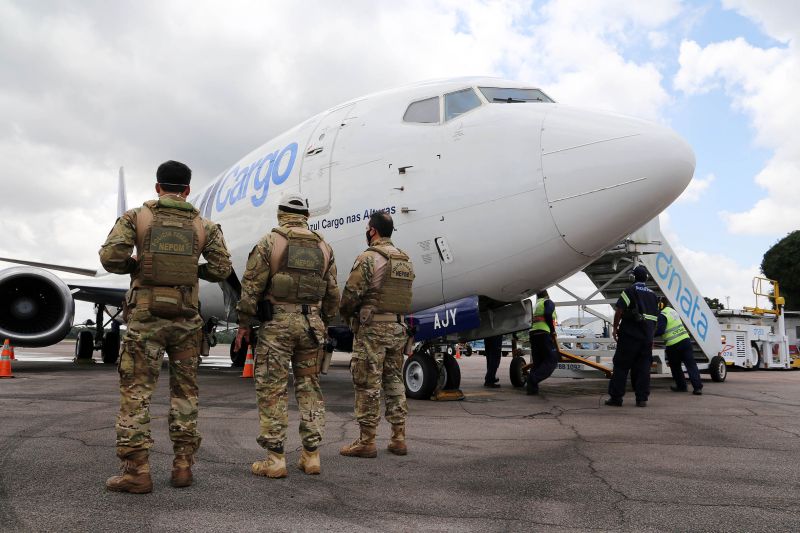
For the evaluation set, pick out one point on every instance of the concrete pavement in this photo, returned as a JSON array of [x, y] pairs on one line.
[[498, 461]]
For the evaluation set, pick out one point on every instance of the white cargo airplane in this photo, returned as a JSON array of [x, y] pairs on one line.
[[496, 192]]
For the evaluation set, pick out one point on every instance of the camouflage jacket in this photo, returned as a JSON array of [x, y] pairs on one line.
[[360, 280], [257, 275], [116, 253]]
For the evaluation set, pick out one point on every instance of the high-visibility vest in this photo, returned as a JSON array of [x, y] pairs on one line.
[[675, 331], [539, 320]]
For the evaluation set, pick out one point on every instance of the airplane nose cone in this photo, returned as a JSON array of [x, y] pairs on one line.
[[607, 175]]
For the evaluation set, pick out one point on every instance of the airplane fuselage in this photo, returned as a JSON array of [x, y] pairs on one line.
[[498, 201]]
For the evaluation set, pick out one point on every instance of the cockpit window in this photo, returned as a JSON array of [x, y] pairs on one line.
[[504, 95], [460, 102], [424, 111]]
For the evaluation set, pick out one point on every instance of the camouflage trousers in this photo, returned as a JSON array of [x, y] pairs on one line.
[[377, 363], [286, 338], [140, 360]]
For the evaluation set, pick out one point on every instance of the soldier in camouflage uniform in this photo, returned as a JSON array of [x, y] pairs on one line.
[[375, 299], [162, 314], [290, 287]]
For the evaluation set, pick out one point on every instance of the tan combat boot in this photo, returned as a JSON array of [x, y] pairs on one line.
[[363, 446], [182, 470], [397, 445], [273, 466], [309, 462], [134, 475]]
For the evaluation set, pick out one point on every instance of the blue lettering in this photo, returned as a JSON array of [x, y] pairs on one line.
[[675, 276], [224, 197], [262, 184], [668, 262], [702, 326], [240, 186], [686, 302], [274, 168], [277, 176]]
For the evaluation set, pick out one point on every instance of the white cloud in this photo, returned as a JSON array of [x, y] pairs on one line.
[[779, 18], [658, 39], [762, 83], [581, 55], [695, 190]]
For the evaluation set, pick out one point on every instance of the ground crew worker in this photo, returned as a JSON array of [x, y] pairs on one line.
[[544, 352], [376, 299], [493, 350], [289, 286], [162, 310], [634, 325], [678, 348]]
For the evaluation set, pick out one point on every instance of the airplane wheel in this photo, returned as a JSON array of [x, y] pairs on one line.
[[452, 373], [468, 351], [718, 369], [84, 345], [110, 350], [518, 377], [420, 377], [237, 358]]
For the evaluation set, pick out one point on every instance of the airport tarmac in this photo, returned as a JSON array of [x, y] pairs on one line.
[[497, 461]]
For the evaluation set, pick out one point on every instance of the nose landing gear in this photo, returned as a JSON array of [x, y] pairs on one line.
[[432, 372]]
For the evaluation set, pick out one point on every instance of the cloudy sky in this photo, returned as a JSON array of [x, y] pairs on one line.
[[88, 86]]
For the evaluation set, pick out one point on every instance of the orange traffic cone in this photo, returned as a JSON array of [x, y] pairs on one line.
[[458, 352], [247, 371], [5, 361]]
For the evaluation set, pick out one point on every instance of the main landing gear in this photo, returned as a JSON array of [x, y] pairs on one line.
[[107, 342]]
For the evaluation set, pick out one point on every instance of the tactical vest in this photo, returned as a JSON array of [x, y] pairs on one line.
[[675, 331], [169, 241], [390, 290], [539, 320], [298, 264]]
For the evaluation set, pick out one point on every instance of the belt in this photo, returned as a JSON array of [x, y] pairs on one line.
[[388, 317], [306, 309]]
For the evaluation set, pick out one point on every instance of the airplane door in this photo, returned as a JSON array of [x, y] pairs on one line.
[[315, 172]]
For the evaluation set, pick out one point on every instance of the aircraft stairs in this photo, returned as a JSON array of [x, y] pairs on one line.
[[610, 274]]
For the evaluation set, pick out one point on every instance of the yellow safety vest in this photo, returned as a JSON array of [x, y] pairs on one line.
[[675, 331], [539, 320]]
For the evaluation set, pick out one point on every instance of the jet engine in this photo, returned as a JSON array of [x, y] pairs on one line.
[[36, 307]]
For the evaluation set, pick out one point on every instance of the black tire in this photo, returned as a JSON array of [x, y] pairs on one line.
[[452, 373], [468, 351], [238, 357], [718, 369], [84, 345], [518, 377], [420, 376], [757, 348], [110, 349]]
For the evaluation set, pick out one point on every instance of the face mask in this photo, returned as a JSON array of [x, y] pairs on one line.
[[368, 239]]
